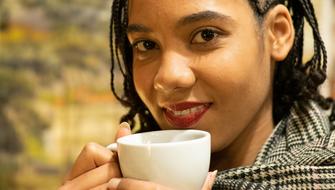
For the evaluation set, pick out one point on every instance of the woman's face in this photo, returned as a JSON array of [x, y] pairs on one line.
[[202, 64]]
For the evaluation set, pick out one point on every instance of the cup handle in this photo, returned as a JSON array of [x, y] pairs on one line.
[[112, 147]]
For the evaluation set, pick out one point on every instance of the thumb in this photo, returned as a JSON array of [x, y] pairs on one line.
[[209, 180], [124, 130]]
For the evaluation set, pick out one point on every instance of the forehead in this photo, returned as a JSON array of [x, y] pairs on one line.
[[164, 10]]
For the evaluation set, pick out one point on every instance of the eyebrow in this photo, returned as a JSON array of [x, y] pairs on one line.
[[186, 20], [132, 28], [204, 16]]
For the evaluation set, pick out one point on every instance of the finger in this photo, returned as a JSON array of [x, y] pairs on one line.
[[92, 156], [209, 180], [131, 184], [124, 129], [101, 187], [95, 177]]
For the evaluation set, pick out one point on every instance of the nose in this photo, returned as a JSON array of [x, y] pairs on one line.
[[174, 73]]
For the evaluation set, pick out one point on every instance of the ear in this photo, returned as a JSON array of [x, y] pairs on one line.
[[280, 31]]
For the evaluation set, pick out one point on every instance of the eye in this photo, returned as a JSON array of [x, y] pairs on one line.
[[205, 35], [145, 45]]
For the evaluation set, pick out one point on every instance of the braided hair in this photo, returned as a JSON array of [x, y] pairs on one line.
[[294, 81], [122, 57]]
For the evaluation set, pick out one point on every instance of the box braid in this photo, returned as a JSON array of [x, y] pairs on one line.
[[122, 57], [294, 81]]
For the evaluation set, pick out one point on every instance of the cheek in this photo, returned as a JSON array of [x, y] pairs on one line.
[[143, 81], [231, 69], [242, 73]]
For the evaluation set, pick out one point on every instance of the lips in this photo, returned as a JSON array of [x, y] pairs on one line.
[[186, 114]]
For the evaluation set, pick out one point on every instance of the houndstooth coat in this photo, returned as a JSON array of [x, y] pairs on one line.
[[300, 154]]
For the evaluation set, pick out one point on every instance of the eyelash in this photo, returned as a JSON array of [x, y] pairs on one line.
[[212, 30], [137, 43], [217, 33]]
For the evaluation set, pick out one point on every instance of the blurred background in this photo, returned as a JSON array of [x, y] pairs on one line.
[[55, 85]]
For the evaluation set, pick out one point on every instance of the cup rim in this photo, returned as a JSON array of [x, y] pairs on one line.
[[121, 141]]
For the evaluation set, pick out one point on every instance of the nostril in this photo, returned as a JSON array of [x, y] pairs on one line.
[[174, 73], [168, 85], [163, 88], [158, 86], [163, 83]]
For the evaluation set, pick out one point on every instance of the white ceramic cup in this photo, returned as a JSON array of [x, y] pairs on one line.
[[178, 159]]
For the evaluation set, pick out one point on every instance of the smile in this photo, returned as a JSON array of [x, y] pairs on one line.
[[187, 111], [186, 114]]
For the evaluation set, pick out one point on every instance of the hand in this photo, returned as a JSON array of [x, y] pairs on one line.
[[95, 166], [132, 184]]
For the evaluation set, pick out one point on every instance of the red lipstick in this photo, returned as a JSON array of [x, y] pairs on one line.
[[185, 114]]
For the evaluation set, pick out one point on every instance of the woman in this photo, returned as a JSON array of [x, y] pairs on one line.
[[234, 69]]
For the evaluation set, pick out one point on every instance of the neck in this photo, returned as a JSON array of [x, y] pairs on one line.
[[244, 149]]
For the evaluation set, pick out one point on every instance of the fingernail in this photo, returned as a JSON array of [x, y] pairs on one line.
[[212, 177], [114, 183], [125, 125], [213, 174]]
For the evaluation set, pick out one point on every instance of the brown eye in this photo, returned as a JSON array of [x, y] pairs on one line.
[[145, 45], [205, 35]]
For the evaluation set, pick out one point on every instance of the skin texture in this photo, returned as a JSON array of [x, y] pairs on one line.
[[97, 168], [232, 69]]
